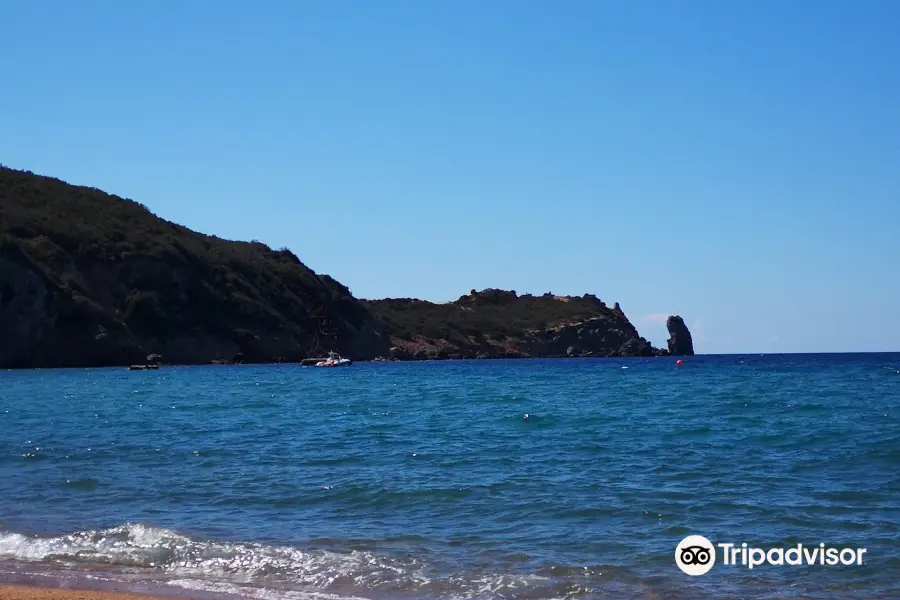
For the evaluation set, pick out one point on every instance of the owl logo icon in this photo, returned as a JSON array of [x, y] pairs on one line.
[[695, 555]]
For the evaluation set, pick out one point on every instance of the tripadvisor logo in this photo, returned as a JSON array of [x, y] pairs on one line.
[[696, 555]]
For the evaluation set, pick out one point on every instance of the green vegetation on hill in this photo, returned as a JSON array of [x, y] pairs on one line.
[[91, 279], [498, 311], [501, 323], [125, 283]]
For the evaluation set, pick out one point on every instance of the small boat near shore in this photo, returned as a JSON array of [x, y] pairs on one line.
[[334, 360]]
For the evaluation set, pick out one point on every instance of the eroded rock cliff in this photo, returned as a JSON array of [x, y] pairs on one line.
[[680, 342]]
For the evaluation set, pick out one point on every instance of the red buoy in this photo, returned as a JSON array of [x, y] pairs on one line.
[[678, 362]]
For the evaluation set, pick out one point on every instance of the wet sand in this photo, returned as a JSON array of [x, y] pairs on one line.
[[26, 592]]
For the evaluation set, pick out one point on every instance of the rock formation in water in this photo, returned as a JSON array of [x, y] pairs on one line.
[[91, 279], [680, 342]]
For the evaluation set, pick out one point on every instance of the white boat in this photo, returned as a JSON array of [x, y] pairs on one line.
[[334, 360]]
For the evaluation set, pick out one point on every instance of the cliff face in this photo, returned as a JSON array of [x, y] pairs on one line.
[[87, 278], [499, 323], [680, 342]]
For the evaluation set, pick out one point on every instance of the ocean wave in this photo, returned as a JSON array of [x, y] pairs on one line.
[[265, 572], [137, 545]]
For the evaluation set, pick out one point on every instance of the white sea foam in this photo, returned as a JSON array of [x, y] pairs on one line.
[[266, 572], [136, 545]]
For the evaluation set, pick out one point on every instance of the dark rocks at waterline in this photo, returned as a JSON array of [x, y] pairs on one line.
[[143, 367]]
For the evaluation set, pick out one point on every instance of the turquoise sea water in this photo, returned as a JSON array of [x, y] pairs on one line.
[[463, 479]]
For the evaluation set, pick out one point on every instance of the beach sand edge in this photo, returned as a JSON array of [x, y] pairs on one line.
[[35, 592]]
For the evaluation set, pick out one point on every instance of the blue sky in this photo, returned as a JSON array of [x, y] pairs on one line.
[[733, 162]]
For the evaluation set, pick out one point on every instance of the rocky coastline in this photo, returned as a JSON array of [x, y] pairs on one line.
[[88, 279], [496, 323]]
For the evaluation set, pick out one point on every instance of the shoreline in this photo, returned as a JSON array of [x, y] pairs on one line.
[[114, 591], [92, 584], [37, 581], [163, 366]]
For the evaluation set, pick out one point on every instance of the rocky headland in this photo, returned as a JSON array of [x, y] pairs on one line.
[[92, 279], [496, 323]]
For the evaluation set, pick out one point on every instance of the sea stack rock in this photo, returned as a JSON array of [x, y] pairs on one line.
[[680, 342]]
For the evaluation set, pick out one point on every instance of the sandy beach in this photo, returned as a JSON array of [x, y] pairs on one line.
[[25, 592]]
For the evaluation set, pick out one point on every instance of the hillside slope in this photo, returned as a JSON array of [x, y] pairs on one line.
[[494, 323], [87, 278], [91, 279]]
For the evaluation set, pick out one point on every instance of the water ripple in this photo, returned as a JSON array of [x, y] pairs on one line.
[[461, 479]]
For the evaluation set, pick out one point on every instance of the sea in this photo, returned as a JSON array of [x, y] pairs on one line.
[[482, 479]]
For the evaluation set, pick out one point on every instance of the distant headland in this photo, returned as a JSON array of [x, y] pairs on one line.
[[91, 279]]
